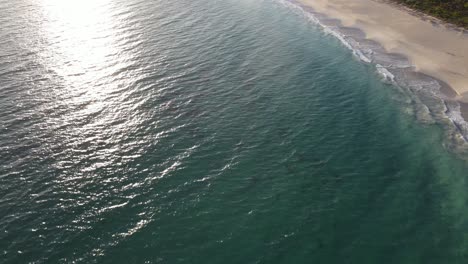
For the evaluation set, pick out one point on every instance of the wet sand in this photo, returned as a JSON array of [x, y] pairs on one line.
[[464, 110], [432, 47]]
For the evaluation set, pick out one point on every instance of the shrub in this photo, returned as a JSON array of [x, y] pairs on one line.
[[453, 11]]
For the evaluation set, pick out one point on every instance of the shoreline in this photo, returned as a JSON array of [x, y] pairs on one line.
[[432, 47], [431, 96]]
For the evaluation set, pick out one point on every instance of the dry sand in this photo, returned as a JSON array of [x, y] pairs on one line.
[[432, 48]]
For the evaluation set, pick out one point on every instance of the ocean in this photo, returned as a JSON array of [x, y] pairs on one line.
[[214, 131]]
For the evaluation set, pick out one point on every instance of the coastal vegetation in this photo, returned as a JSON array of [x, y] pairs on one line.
[[453, 11]]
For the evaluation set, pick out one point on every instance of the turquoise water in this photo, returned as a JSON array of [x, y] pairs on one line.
[[207, 132]]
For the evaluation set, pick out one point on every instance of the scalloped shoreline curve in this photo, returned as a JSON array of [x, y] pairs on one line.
[[432, 100]]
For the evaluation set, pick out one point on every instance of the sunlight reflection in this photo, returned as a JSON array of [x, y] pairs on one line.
[[81, 37], [81, 53]]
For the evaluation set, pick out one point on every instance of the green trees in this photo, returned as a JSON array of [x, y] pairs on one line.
[[453, 11]]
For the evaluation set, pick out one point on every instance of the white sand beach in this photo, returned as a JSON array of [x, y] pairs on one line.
[[432, 48]]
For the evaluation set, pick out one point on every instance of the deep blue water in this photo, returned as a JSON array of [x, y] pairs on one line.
[[211, 131]]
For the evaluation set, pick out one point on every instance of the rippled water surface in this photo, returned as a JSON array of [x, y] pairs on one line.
[[211, 131]]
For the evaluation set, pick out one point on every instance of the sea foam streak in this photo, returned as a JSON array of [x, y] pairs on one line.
[[426, 98]]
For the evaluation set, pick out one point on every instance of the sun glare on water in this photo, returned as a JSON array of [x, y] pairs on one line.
[[81, 51], [81, 36]]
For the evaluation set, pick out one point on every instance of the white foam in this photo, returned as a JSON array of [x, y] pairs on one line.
[[455, 115], [388, 76]]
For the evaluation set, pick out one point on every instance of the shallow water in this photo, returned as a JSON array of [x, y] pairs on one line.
[[211, 131]]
